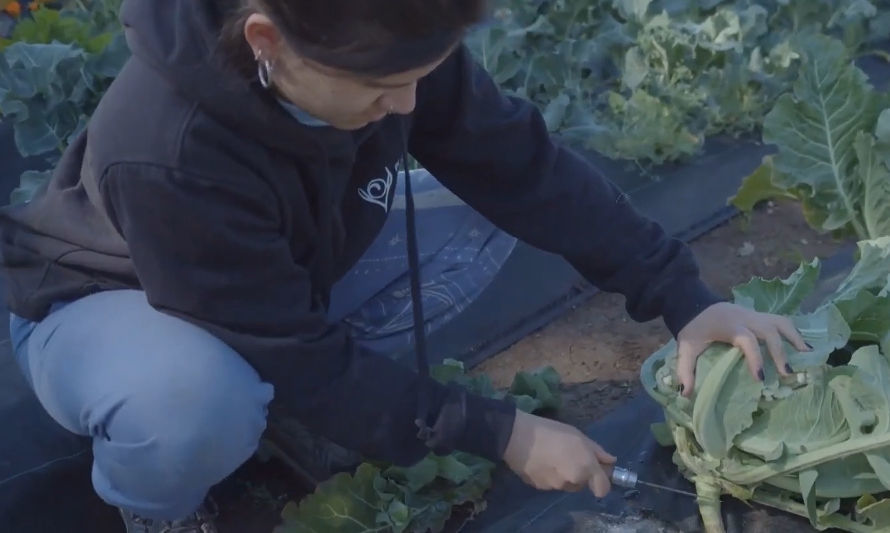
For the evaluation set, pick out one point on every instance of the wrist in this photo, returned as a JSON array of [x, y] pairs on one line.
[[517, 444], [488, 427], [689, 299]]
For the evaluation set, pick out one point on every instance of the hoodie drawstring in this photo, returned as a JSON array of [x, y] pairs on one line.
[[425, 432]]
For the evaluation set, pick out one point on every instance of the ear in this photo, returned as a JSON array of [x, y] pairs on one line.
[[262, 36]]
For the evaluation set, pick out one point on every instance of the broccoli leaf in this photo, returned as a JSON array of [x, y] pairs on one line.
[[779, 296], [724, 403], [876, 512], [423, 496], [345, 503], [874, 384], [759, 186], [815, 129], [807, 491], [882, 129], [870, 272], [875, 179], [538, 390], [30, 183], [825, 330], [52, 76], [868, 316], [810, 419]]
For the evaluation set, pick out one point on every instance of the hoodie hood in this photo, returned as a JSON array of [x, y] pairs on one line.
[[181, 42]]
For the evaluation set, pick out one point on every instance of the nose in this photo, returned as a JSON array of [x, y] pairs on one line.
[[401, 100]]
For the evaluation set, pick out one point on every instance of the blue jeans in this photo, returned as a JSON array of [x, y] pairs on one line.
[[172, 410]]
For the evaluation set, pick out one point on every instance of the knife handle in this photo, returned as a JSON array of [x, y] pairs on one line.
[[624, 478]]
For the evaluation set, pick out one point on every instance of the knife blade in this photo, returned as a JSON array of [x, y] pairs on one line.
[[629, 479]]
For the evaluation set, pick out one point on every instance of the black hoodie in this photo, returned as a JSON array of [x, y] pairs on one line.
[[201, 190]]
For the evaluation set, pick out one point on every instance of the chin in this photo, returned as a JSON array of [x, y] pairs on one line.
[[358, 124], [351, 126]]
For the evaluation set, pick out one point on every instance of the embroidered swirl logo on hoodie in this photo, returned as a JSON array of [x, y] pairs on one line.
[[377, 190]]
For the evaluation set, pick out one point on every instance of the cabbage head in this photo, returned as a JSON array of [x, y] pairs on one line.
[[816, 444]]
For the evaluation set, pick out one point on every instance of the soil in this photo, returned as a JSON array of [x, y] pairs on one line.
[[595, 347], [752, 521]]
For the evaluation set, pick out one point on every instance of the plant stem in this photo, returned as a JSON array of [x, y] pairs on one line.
[[528, 75], [571, 23], [882, 54], [484, 54], [837, 520], [709, 506]]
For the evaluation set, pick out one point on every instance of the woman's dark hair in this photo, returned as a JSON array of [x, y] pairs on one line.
[[369, 37]]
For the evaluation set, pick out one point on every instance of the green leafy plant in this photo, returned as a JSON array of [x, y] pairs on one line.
[[649, 80], [50, 25], [832, 132], [815, 444], [53, 72], [423, 497]]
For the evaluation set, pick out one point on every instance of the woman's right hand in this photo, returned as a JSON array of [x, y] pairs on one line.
[[550, 455]]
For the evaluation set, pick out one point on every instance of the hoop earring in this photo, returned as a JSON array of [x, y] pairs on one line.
[[264, 70]]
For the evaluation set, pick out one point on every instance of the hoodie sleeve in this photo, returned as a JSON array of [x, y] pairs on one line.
[[212, 253], [495, 152]]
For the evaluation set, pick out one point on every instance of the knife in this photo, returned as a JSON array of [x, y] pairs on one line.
[[629, 479]]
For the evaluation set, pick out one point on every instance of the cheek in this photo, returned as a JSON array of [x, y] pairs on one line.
[[357, 102], [357, 96]]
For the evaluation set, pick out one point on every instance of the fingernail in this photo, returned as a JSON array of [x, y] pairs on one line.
[[760, 375], [809, 346], [788, 368]]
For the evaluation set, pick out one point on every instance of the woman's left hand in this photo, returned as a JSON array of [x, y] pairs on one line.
[[741, 327]]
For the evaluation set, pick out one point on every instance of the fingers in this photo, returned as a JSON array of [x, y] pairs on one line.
[[602, 456], [597, 474], [600, 484], [571, 486], [686, 356], [789, 331], [772, 333], [573, 482], [601, 473], [747, 342], [580, 478], [776, 350], [744, 329]]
